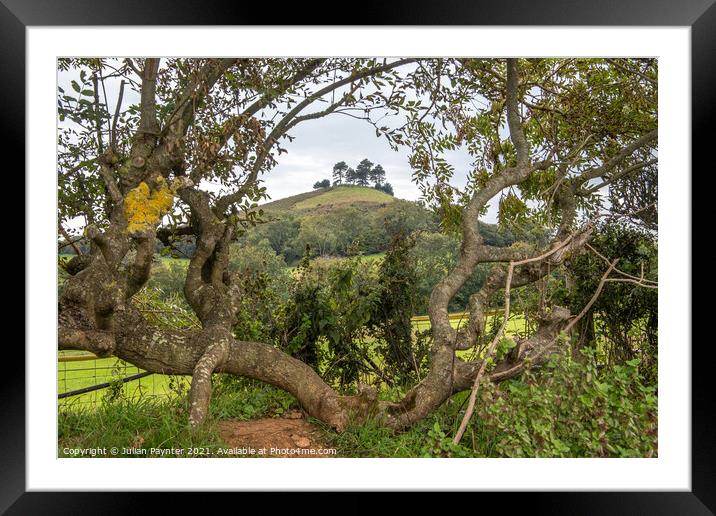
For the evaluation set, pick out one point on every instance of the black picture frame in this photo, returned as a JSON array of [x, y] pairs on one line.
[[700, 15]]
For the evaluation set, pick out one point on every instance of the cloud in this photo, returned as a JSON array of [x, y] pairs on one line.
[[321, 143]]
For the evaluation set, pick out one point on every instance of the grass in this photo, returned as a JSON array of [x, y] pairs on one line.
[[162, 423], [287, 203], [124, 423], [129, 417], [375, 257], [128, 421], [147, 423], [344, 195], [152, 412], [170, 259], [127, 424], [245, 399], [429, 437], [79, 374]]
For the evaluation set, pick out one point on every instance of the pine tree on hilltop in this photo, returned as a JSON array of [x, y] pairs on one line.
[[339, 172], [363, 172], [377, 175]]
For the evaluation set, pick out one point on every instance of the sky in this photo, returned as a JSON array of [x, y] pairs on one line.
[[321, 143]]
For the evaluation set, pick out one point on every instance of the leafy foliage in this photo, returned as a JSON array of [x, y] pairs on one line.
[[544, 136], [404, 360], [339, 228], [570, 408], [385, 187], [330, 306], [262, 277], [168, 277], [623, 323]]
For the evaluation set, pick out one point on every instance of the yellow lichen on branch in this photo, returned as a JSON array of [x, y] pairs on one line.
[[145, 208]]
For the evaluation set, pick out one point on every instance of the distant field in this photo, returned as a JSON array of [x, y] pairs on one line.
[[170, 259], [516, 324], [287, 203], [376, 257]]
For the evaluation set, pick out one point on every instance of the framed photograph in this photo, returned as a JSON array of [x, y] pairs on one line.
[[427, 254]]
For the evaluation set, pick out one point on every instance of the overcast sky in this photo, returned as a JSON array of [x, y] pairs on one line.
[[321, 143]]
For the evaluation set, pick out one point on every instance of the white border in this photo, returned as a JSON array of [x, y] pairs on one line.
[[671, 470]]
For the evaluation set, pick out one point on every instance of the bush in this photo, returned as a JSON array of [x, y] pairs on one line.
[[350, 316], [570, 409], [324, 322], [385, 187], [262, 277], [623, 323], [404, 358], [251, 259]]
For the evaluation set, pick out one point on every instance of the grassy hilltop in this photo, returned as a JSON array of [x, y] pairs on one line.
[[327, 199]]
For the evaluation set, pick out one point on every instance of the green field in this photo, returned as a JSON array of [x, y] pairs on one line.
[[171, 259], [79, 374]]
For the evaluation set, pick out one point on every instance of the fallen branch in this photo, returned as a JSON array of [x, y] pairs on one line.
[[498, 335], [490, 351]]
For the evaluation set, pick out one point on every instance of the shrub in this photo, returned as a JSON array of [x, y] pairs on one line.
[[623, 323], [262, 277], [324, 322], [385, 187], [404, 358], [569, 408]]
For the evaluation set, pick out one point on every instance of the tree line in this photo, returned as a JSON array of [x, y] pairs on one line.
[[364, 174]]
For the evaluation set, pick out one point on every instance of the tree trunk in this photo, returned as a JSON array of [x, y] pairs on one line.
[[199, 353]]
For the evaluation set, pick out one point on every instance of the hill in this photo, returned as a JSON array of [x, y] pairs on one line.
[[337, 221], [328, 199], [323, 203]]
